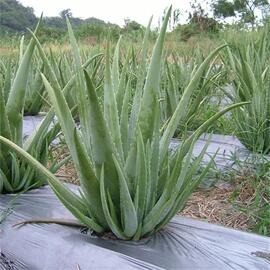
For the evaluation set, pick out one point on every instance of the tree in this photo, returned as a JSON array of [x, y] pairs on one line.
[[245, 9], [200, 18], [65, 13], [16, 17], [199, 22], [131, 25]]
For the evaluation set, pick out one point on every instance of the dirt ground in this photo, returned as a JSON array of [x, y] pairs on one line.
[[213, 205]]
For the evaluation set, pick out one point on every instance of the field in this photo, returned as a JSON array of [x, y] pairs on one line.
[[119, 103]]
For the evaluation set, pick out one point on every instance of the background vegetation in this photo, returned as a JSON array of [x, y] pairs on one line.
[[209, 21]]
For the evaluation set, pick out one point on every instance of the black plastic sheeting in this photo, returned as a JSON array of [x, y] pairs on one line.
[[223, 147], [183, 244]]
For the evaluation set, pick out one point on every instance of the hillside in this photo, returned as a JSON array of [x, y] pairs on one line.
[[14, 17]]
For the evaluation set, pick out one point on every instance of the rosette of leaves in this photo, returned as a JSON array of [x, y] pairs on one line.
[[130, 183]]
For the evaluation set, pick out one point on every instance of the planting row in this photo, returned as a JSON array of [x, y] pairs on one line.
[[129, 107]]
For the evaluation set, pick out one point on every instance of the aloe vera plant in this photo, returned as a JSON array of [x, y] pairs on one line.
[[250, 66], [177, 76], [131, 184], [34, 88], [35, 94], [15, 174]]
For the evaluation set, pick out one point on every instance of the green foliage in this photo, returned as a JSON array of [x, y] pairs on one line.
[[250, 68], [245, 9], [199, 22], [223, 125], [186, 31], [251, 194], [132, 25], [65, 13], [15, 174], [16, 17], [52, 35], [224, 8], [95, 33], [177, 77]]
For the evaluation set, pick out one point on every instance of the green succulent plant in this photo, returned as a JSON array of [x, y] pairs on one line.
[[251, 77], [15, 174]]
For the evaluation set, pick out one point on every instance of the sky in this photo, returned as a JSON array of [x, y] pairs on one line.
[[114, 11]]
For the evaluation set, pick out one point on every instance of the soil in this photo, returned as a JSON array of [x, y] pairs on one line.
[[213, 205]]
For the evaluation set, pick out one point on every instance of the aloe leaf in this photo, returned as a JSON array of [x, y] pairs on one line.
[[184, 195], [170, 92], [4, 123], [122, 86], [88, 180], [112, 223], [4, 183], [128, 212], [53, 181], [63, 114], [27, 179], [81, 88], [141, 177], [140, 82], [15, 171], [47, 64], [7, 82], [151, 88], [32, 140], [124, 117], [110, 108], [146, 115], [210, 121], [143, 57], [114, 211], [102, 146], [21, 49], [164, 203], [15, 102], [180, 111], [154, 164], [115, 67], [77, 149]]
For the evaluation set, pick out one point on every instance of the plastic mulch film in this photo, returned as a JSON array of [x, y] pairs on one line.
[[184, 243], [227, 147], [31, 123]]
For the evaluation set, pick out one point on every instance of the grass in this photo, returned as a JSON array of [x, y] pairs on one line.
[[251, 195], [223, 125]]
